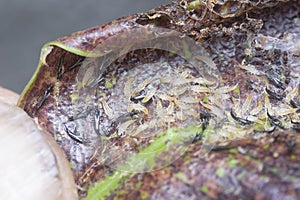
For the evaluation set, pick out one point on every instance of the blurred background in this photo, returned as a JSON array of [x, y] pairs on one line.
[[25, 25]]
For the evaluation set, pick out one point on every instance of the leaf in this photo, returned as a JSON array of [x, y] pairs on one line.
[[65, 99]]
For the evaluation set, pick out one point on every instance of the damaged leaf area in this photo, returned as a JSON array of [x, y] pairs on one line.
[[150, 125]]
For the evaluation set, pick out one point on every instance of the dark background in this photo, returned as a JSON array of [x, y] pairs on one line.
[[25, 25]]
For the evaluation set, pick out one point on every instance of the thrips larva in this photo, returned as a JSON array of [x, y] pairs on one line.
[[122, 127], [247, 104], [138, 108], [257, 109], [141, 87], [127, 87], [108, 111], [125, 117], [149, 95], [88, 76], [200, 89]]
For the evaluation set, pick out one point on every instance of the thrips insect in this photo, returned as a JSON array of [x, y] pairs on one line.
[[275, 95], [239, 119], [274, 121], [60, 66], [276, 82], [44, 97], [204, 117], [71, 134]]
